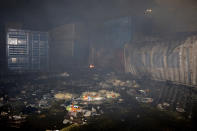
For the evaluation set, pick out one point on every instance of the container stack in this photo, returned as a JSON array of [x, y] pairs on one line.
[[27, 50]]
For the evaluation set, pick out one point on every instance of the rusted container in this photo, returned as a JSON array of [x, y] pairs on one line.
[[175, 61]]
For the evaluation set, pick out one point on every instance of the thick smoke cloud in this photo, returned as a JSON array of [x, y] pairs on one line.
[[167, 15], [178, 15]]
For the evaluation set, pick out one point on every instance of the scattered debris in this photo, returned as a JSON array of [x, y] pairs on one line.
[[43, 104], [15, 117], [144, 100], [111, 94], [4, 113], [159, 106], [87, 113], [181, 110], [65, 74], [93, 109], [165, 104], [104, 85], [63, 96], [135, 84], [98, 95], [118, 83], [91, 96], [120, 100], [142, 92], [66, 121], [1, 99], [73, 108]]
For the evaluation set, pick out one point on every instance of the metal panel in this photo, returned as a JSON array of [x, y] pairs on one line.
[[27, 50], [177, 64]]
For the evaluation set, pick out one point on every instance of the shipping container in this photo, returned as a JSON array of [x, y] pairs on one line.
[[174, 61], [69, 46], [107, 42], [27, 50]]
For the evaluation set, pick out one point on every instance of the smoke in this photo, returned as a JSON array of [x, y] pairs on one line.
[[166, 16], [176, 15]]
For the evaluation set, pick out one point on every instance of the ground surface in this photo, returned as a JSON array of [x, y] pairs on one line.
[[118, 102]]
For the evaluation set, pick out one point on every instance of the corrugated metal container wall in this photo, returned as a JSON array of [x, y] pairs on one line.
[[173, 60], [69, 46], [27, 50]]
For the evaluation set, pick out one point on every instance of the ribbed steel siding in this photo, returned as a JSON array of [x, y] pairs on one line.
[[38, 47], [161, 62], [30, 51]]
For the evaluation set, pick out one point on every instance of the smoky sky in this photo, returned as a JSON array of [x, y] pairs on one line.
[[179, 15], [44, 14]]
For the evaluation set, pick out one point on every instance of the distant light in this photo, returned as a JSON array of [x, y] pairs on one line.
[[148, 11], [13, 60], [12, 41]]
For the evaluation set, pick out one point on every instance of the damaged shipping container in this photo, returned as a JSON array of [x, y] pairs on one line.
[[69, 46], [27, 50], [117, 31], [174, 61]]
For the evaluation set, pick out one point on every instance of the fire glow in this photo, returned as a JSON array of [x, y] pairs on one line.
[[91, 66]]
